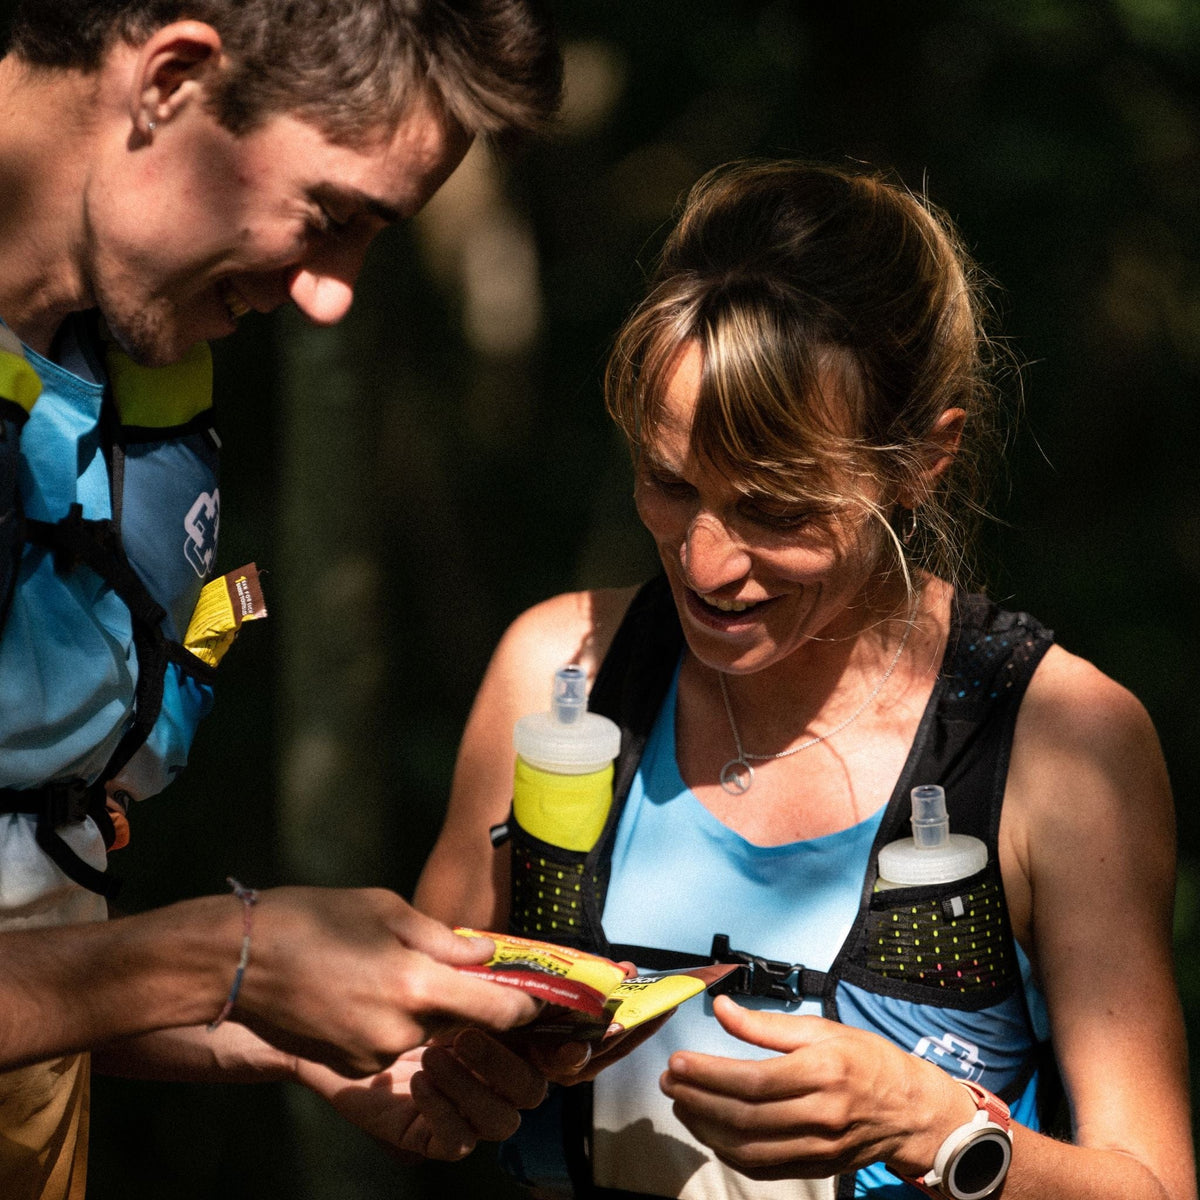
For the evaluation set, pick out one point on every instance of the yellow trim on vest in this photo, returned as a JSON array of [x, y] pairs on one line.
[[19, 382], [161, 397]]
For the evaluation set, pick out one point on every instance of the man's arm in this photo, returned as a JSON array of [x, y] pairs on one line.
[[349, 979]]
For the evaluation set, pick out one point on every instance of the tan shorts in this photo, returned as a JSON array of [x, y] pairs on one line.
[[44, 1130]]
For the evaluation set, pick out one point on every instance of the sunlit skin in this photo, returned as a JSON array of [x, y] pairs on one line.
[[176, 227], [281, 214], [806, 573]]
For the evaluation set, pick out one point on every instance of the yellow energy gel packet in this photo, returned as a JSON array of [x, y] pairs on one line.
[[223, 605], [647, 996], [587, 997]]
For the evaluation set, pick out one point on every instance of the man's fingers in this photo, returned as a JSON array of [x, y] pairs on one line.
[[431, 937], [459, 998], [487, 1114]]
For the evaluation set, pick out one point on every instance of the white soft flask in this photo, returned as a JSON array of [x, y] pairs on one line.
[[933, 854]]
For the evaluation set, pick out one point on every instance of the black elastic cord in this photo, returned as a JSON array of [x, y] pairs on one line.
[[56, 804]]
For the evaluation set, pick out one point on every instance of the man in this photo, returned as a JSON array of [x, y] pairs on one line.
[[165, 167]]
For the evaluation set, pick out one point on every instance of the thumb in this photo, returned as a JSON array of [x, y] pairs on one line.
[[431, 937], [783, 1032]]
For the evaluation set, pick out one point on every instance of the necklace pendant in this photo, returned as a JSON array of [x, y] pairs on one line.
[[736, 776]]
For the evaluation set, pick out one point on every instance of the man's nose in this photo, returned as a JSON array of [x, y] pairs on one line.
[[711, 557], [322, 287], [324, 299]]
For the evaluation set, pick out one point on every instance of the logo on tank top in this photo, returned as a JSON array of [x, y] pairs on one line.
[[952, 1054], [200, 546]]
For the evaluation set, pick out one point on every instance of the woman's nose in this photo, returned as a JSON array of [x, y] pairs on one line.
[[711, 557]]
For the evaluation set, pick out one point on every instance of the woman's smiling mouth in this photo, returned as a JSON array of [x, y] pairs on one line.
[[719, 614]]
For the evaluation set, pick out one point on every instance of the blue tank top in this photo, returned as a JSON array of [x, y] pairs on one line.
[[794, 902], [678, 876]]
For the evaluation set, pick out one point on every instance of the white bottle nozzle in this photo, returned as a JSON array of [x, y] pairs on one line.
[[568, 699], [933, 854], [567, 738], [930, 823]]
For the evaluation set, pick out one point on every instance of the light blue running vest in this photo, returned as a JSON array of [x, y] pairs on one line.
[[68, 665]]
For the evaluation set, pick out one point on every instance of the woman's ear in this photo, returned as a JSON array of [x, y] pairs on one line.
[[939, 450], [172, 66]]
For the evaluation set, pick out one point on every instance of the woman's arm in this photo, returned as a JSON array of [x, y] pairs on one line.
[[1094, 832], [1088, 858], [465, 881]]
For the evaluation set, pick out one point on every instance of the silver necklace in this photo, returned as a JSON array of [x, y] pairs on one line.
[[737, 774]]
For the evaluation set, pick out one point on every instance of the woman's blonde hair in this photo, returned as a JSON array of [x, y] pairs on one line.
[[813, 291]]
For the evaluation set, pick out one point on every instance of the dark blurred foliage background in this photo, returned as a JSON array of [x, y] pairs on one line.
[[415, 477]]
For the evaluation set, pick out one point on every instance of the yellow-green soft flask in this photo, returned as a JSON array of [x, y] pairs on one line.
[[562, 785]]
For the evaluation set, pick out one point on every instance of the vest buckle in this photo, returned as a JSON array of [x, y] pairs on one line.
[[761, 976]]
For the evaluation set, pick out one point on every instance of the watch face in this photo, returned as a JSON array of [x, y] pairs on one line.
[[980, 1166]]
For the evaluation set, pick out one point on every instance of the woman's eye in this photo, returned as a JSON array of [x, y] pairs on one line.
[[669, 485], [778, 516]]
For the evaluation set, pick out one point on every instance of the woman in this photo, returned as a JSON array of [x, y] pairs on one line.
[[805, 391]]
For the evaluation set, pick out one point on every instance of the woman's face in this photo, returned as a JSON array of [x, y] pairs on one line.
[[753, 579]]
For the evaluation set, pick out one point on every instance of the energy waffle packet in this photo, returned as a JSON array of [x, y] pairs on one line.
[[224, 604], [587, 997]]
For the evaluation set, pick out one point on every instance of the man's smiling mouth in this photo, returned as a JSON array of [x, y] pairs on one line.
[[235, 306]]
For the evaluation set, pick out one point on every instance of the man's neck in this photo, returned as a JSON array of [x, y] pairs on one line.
[[47, 123]]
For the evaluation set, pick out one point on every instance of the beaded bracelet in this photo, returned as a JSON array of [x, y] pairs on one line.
[[249, 898]]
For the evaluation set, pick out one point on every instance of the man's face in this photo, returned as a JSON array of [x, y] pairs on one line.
[[186, 234]]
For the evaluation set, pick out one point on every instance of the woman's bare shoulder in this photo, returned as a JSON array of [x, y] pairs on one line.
[[1086, 762], [1071, 703], [574, 627]]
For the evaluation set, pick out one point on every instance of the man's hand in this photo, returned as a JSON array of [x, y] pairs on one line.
[[352, 979]]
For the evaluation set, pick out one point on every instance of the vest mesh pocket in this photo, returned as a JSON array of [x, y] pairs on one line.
[[950, 937], [549, 889]]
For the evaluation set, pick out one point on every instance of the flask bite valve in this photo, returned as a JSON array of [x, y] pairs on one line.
[[933, 854]]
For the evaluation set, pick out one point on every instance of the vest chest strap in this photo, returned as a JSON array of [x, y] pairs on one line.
[[791, 982]]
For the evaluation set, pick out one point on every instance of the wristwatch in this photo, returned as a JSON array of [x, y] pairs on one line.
[[973, 1161]]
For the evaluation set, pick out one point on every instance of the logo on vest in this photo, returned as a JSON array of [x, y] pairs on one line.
[[952, 1054], [200, 546]]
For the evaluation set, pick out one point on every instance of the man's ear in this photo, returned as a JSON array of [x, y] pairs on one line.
[[171, 69], [941, 446]]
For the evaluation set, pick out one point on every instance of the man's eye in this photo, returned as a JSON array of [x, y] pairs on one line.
[[324, 222]]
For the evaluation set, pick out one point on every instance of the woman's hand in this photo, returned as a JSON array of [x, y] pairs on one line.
[[834, 1099], [569, 1063]]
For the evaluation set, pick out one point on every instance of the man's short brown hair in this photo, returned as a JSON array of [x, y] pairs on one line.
[[351, 67]]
